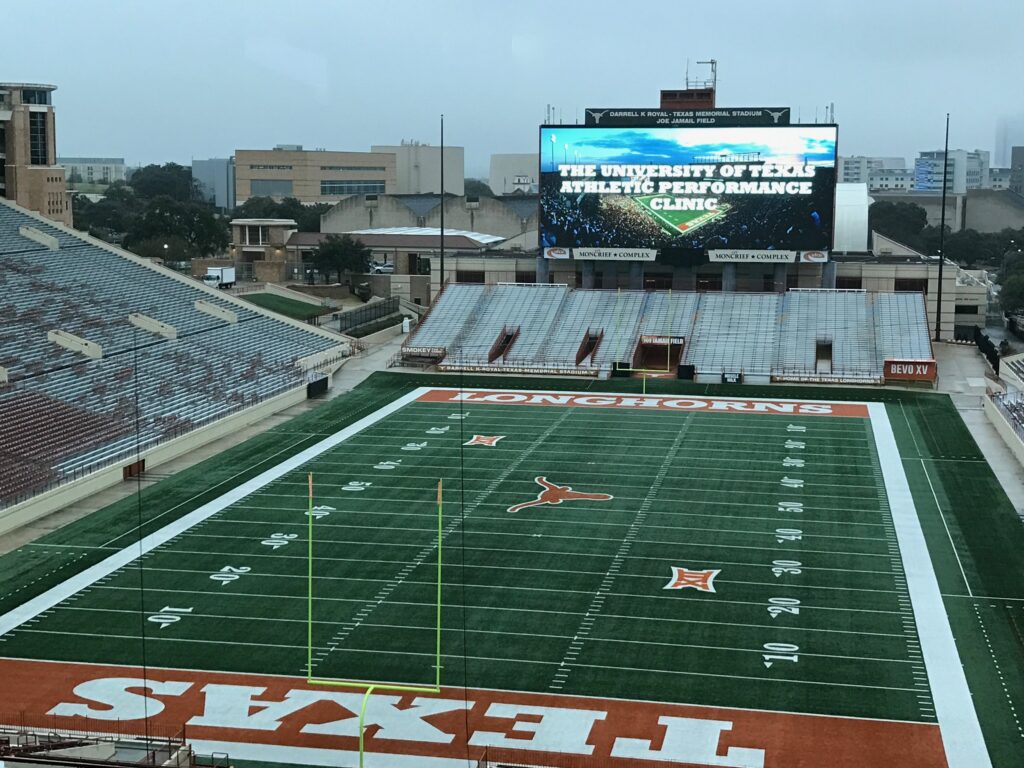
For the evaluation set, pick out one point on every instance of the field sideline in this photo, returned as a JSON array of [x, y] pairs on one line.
[[571, 598]]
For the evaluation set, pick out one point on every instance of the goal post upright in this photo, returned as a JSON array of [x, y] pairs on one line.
[[369, 684]]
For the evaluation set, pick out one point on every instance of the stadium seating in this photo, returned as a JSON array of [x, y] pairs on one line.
[[814, 335], [898, 323], [448, 315], [734, 334], [63, 413], [840, 319]]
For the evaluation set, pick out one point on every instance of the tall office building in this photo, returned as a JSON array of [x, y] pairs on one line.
[[966, 170], [29, 174], [857, 169], [311, 176], [216, 178], [418, 168]]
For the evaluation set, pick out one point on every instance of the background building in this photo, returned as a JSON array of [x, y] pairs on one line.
[[891, 179], [514, 174], [1017, 170], [967, 170], [418, 168], [999, 178], [216, 178], [857, 169], [29, 174], [312, 176], [93, 170]]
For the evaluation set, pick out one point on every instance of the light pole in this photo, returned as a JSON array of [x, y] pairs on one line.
[[942, 235], [554, 140], [165, 253]]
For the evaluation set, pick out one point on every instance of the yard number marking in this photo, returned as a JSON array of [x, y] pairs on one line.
[[355, 485], [277, 540], [414, 446], [780, 605], [788, 534], [229, 573], [781, 652], [387, 464], [320, 511], [780, 567], [168, 616]]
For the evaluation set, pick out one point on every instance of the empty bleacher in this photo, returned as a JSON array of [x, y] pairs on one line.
[[734, 334], [898, 321], [63, 413], [804, 335], [838, 321]]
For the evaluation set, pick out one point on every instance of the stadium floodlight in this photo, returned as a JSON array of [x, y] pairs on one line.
[[367, 684]]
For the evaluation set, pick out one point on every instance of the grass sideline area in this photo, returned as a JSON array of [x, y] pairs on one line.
[[974, 536], [293, 308]]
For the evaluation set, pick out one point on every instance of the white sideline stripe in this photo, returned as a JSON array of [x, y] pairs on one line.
[[55, 595], [961, 731]]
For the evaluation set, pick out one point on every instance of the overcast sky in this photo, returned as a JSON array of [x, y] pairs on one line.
[[172, 81]]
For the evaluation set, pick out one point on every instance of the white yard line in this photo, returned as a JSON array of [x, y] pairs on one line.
[[952, 545], [29, 610], [961, 731]]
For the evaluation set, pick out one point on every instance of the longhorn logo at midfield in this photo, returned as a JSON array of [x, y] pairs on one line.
[[556, 494]]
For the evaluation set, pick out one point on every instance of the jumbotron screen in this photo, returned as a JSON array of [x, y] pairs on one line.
[[760, 188]]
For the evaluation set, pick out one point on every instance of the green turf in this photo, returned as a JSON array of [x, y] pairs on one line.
[[547, 563], [293, 308]]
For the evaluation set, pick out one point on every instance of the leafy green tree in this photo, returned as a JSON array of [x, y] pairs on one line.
[[1011, 296], [167, 180], [478, 188], [307, 217], [197, 224], [903, 222], [178, 248], [341, 253]]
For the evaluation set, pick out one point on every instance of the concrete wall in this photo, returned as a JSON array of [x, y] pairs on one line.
[[353, 213], [994, 210], [491, 217], [932, 204]]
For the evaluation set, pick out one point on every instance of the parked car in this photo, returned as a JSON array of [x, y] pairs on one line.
[[382, 269]]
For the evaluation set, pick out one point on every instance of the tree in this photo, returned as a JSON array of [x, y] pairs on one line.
[[903, 222], [170, 180], [1011, 296], [197, 224], [178, 248], [341, 253], [478, 188], [307, 217]]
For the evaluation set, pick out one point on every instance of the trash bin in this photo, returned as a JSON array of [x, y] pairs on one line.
[[406, 324]]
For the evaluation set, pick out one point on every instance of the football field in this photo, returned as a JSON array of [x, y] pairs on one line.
[[656, 579]]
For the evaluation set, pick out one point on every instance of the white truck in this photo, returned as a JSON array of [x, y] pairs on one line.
[[219, 277]]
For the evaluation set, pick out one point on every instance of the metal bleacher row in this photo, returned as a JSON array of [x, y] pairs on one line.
[[213, 367], [758, 336]]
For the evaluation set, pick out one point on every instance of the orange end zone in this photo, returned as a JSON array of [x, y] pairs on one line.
[[636, 402], [309, 724]]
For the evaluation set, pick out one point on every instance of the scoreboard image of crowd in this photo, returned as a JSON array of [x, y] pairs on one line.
[[747, 187]]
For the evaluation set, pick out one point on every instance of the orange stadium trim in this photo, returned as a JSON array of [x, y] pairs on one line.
[[243, 712], [636, 402]]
